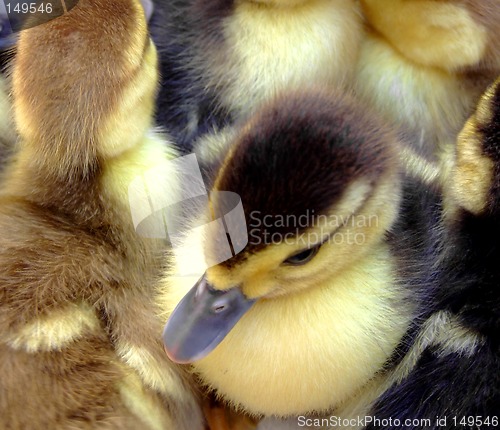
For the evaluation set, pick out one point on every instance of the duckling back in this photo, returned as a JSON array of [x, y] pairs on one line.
[[221, 59], [475, 225], [449, 377], [426, 64], [79, 342]]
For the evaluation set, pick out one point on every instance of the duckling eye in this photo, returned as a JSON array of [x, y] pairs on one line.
[[302, 257]]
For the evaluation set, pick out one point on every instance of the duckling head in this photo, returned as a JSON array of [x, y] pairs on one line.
[[319, 183], [311, 308]]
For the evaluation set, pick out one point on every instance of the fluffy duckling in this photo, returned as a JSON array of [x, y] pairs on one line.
[[424, 64], [220, 59], [80, 343], [450, 377], [336, 262]]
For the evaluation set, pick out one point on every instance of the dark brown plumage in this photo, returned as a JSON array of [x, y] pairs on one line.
[[269, 169], [456, 370]]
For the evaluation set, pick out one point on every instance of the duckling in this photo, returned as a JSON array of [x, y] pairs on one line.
[[220, 59], [336, 244], [450, 377], [425, 64], [80, 343]]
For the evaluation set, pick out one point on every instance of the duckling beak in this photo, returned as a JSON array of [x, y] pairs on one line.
[[202, 320]]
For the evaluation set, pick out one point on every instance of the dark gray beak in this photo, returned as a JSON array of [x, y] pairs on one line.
[[202, 320]]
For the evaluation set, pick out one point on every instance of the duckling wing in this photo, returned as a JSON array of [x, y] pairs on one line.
[[455, 383], [450, 376]]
